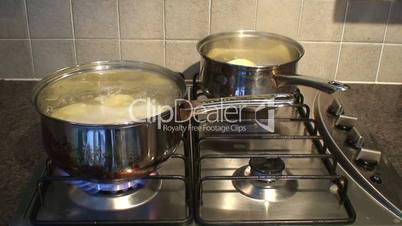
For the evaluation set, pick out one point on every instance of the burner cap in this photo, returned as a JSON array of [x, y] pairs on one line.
[[266, 166], [274, 191]]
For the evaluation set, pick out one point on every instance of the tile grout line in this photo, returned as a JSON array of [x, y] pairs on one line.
[[124, 39], [209, 16], [341, 42], [73, 32], [29, 39], [300, 19], [118, 29], [156, 39], [164, 31], [348, 42], [255, 15], [383, 42]]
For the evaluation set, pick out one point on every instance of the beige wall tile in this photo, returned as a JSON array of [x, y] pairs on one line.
[[142, 50], [358, 62], [141, 19], [186, 19], [94, 50], [181, 54], [50, 55], [279, 16], [232, 15], [141, 25], [15, 58], [319, 60], [95, 18], [365, 21], [394, 31], [49, 18], [317, 20], [13, 23], [390, 66]]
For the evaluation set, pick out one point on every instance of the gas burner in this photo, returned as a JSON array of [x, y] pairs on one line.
[[114, 196], [102, 188], [93, 188], [266, 166], [111, 196], [268, 189]]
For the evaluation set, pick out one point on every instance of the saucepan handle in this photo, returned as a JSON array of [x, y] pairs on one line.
[[198, 107], [320, 84]]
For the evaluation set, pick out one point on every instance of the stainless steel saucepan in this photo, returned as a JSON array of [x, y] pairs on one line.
[[252, 63], [87, 119]]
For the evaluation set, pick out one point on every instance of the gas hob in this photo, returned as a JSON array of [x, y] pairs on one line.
[[313, 168]]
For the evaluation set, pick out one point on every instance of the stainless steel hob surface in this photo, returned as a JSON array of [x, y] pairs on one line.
[[163, 198], [359, 152], [314, 199], [228, 193]]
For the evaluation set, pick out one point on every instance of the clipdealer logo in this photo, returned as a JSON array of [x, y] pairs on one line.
[[219, 117]]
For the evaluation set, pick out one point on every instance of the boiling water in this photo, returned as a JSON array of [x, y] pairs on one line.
[[109, 109], [245, 57], [110, 97]]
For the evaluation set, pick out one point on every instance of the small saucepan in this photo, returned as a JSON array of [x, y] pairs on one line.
[[252, 63]]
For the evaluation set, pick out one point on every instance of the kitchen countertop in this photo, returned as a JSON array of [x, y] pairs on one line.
[[379, 107]]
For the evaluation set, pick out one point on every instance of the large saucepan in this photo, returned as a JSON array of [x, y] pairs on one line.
[[251, 63], [100, 142], [103, 149]]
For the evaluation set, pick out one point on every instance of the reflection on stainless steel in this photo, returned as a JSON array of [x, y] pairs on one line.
[[108, 153], [271, 191], [108, 202]]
